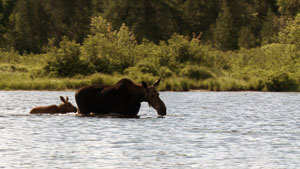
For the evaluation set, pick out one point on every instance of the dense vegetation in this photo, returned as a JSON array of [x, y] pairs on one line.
[[191, 44]]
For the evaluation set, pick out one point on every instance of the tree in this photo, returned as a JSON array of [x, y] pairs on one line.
[[28, 26], [223, 32], [154, 20], [64, 60], [33, 22], [270, 29], [289, 8], [291, 34], [248, 19], [6, 8], [246, 38], [107, 50], [199, 15]]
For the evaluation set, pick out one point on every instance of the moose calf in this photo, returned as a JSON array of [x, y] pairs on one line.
[[64, 107]]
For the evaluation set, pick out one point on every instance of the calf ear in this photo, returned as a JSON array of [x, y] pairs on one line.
[[63, 99], [156, 83]]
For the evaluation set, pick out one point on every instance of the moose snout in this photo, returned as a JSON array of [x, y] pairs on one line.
[[162, 110], [75, 110]]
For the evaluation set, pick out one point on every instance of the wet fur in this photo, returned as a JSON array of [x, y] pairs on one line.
[[123, 98], [64, 107]]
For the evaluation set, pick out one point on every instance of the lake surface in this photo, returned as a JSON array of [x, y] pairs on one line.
[[201, 130]]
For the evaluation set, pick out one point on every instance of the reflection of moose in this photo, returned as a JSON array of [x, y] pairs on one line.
[[64, 107], [123, 98]]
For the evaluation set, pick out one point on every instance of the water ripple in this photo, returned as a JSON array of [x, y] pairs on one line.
[[201, 130]]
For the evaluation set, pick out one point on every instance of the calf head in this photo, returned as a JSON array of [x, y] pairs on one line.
[[66, 106], [152, 97]]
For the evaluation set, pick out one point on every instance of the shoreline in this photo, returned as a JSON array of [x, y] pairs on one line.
[[178, 91], [24, 82]]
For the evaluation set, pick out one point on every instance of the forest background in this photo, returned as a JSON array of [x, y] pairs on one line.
[[219, 45]]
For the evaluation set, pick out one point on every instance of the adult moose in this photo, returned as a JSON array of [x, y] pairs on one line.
[[124, 98], [63, 108]]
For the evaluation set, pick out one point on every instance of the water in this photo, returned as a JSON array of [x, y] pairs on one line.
[[201, 130]]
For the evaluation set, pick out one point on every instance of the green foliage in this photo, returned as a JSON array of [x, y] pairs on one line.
[[291, 33], [33, 22], [282, 82], [270, 29], [9, 56], [289, 7], [246, 38], [165, 72], [147, 67], [102, 79], [65, 60], [211, 45], [26, 25], [109, 51], [154, 20], [199, 15], [196, 72], [223, 31]]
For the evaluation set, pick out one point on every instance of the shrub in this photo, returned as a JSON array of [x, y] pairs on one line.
[[282, 82], [133, 72], [180, 46], [147, 67], [196, 72], [107, 50], [64, 61], [165, 72], [9, 56], [291, 33], [96, 79], [185, 85]]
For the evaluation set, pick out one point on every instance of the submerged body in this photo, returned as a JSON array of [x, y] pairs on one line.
[[65, 107], [45, 109], [123, 98]]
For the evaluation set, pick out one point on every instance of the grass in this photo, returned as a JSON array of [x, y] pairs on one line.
[[21, 77], [23, 80]]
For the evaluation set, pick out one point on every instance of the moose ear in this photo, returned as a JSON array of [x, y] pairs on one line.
[[144, 84], [67, 98], [63, 99], [156, 83]]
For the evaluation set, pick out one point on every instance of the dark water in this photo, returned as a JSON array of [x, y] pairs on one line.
[[201, 130]]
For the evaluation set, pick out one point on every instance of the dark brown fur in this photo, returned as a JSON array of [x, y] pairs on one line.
[[123, 98]]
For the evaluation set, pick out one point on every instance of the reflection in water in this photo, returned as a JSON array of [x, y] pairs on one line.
[[201, 130]]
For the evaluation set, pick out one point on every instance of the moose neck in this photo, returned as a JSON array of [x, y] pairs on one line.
[[60, 108], [140, 92], [144, 95]]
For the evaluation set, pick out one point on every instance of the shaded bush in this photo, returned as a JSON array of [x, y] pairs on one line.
[[165, 72], [197, 72], [133, 72], [282, 82], [147, 67]]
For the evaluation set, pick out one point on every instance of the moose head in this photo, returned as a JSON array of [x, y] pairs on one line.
[[66, 106], [152, 97]]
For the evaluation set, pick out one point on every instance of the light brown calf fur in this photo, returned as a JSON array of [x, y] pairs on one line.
[[64, 107]]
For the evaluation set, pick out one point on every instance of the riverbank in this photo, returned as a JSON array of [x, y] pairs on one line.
[[25, 81], [27, 73]]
